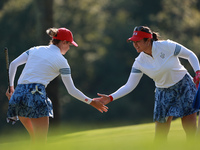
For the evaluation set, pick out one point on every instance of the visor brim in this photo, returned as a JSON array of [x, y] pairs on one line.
[[133, 38], [74, 43]]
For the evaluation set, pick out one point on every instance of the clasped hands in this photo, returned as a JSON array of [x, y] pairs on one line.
[[100, 102]]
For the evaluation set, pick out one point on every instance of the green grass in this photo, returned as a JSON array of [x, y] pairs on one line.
[[137, 137]]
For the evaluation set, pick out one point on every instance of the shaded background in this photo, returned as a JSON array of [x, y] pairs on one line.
[[103, 60]]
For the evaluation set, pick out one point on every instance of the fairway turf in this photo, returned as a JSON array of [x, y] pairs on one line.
[[137, 137]]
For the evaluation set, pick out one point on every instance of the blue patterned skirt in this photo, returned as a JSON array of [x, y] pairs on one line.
[[175, 101], [31, 101]]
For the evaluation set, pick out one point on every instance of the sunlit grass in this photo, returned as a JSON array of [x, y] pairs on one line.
[[138, 137]]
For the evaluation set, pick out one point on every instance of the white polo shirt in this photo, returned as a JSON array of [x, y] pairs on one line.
[[43, 64], [163, 66]]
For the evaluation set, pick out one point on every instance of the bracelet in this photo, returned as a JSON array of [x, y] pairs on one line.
[[111, 98]]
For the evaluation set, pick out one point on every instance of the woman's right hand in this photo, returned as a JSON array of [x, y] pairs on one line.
[[99, 106], [11, 92]]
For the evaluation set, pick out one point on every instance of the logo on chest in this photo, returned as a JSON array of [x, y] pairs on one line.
[[162, 55]]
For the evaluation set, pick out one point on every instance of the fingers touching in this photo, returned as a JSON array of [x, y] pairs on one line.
[[99, 106]]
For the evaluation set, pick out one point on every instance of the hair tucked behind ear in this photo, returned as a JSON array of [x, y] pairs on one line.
[[53, 32]]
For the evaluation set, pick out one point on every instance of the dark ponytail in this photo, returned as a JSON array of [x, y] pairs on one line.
[[155, 36], [146, 29]]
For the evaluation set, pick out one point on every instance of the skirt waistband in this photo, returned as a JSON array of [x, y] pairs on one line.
[[31, 85], [33, 88]]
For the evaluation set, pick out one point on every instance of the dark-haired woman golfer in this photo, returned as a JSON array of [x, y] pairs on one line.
[[175, 89]]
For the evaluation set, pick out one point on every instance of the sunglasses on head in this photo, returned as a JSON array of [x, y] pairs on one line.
[[141, 28]]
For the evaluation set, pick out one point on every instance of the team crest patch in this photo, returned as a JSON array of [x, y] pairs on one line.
[[162, 55]]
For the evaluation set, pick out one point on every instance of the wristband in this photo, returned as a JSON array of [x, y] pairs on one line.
[[111, 98]]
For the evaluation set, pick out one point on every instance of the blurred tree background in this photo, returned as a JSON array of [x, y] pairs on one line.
[[103, 60]]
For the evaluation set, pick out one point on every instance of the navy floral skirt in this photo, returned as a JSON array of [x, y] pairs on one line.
[[31, 101], [175, 101]]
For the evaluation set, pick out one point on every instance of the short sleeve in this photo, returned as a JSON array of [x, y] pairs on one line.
[[136, 67], [65, 71], [174, 47]]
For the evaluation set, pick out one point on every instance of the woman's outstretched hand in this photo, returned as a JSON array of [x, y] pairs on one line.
[[105, 99], [99, 106]]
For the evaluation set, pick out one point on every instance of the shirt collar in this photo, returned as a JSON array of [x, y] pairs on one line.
[[54, 47]]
